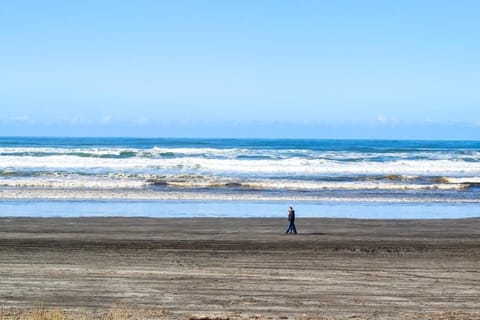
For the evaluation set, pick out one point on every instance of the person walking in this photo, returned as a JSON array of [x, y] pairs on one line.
[[291, 221]]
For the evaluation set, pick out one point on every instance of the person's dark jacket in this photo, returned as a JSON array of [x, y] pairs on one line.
[[291, 215]]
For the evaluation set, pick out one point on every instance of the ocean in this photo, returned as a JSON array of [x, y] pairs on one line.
[[168, 177]]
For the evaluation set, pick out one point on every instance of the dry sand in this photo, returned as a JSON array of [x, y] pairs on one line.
[[244, 268]]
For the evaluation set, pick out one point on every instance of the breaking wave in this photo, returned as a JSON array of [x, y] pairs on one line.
[[253, 168]]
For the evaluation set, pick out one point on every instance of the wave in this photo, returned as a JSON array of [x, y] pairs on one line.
[[77, 183], [308, 185], [467, 180], [189, 181], [118, 152], [379, 155], [114, 153], [253, 169], [69, 194], [289, 166]]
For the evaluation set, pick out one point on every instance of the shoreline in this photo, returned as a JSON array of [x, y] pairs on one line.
[[240, 268], [234, 209], [64, 194], [275, 219]]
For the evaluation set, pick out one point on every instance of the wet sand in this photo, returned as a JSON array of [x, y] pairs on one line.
[[244, 268]]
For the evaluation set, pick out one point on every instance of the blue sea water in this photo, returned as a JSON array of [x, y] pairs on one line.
[[238, 177]]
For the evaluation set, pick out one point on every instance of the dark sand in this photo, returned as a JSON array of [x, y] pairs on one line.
[[244, 268]]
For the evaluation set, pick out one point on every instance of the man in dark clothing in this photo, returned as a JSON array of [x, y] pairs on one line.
[[291, 221]]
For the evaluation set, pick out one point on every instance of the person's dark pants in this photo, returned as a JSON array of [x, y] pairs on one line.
[[291, 228]]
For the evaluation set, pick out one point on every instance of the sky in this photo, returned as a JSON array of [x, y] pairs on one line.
[[289, 69]]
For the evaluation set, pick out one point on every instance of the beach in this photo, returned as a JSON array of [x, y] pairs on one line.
[[239, 268], [153, 154]]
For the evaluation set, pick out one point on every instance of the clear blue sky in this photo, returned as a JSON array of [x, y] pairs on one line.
[[320, 69]]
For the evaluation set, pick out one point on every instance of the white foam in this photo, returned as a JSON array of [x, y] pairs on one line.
[[223, 161], [288, 166], [79, 183], [323, 167], [125, 181], [65, 151], [463, 180], [302, 185], [69, 194]]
